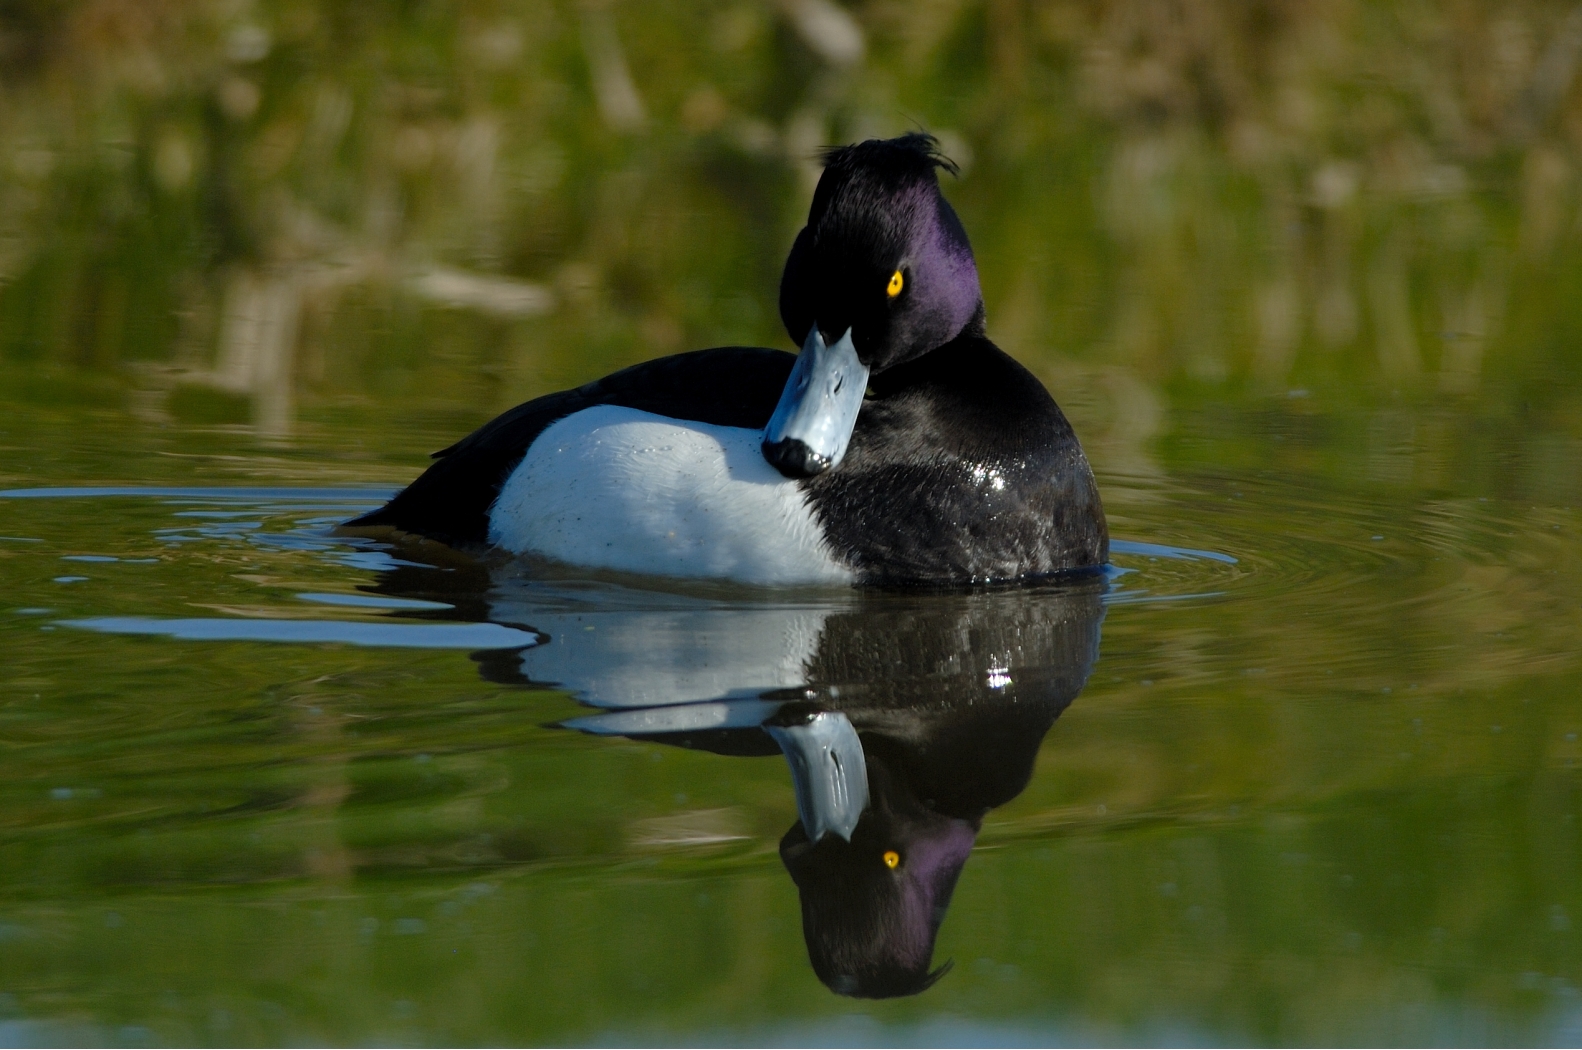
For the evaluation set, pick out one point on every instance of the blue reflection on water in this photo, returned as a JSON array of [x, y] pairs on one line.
[[418, 636]]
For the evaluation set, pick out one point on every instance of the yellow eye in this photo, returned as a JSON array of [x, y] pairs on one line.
[[891, 857], [896, 282]]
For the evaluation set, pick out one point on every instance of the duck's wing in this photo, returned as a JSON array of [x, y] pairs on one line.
[[732, 386]]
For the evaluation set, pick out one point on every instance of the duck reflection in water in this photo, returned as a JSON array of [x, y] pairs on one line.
[[904, 718]]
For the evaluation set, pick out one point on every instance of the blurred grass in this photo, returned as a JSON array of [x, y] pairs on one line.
[[1371, 199]]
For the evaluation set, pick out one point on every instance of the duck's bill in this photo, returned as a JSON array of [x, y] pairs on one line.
[[828, 772], [812, 424]]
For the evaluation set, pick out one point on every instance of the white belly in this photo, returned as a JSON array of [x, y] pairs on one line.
[[615, 488]]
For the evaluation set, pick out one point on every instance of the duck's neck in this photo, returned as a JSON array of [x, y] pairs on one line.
[[977, 325], [942, 359]]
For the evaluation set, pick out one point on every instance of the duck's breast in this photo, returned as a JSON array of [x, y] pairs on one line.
[[618, 488]]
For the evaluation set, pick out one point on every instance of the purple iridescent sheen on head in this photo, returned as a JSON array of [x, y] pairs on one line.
[[878, 209], [870, 927], [944, 275]]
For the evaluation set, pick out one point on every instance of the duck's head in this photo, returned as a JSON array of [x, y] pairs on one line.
[[872, 906], [881, 274], [882, 255]]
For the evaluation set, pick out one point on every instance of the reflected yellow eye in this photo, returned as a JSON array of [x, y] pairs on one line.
[[896, 283], [891, 857]]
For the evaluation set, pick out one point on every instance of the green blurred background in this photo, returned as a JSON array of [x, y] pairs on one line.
[[279, 210]]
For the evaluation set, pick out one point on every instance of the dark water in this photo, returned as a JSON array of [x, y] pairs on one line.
[[1317, 780], [1303, 768]]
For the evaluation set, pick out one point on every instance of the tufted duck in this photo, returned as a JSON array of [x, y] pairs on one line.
[[900, 446]]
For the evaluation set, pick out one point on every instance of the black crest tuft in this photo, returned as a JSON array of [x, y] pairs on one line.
[[916, 154]]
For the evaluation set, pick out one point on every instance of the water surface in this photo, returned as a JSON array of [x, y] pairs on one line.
[[1317, 778]]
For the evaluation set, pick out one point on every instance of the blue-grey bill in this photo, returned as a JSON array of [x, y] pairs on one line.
[[828, 772], [812, 424]]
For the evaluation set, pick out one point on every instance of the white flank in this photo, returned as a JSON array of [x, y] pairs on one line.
[[615, 488], [646, 657]]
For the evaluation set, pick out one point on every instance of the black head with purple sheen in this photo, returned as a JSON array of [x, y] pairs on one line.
[[870, 925], [878, 211]]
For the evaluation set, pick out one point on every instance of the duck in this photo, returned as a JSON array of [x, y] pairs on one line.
[[913, 720], [903, 718], [901, 446]]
